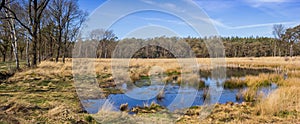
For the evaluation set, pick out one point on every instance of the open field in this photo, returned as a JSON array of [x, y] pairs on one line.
[[47, 94]]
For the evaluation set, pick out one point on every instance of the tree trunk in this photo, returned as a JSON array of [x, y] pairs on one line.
[[21, 51], [51, 47], [34, 33], [105, 50], [34, 50], [15, 47], [40, 44], [291, 50], [3, 57], [59, 43], [65, 43], [147, 52], [13, 37], [11, 53], [58, 52], [27, 54], [65, 52], [275, 47], [279, 52]]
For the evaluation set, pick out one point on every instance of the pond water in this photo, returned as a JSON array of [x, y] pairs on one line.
[[172, 93], [175, 96]]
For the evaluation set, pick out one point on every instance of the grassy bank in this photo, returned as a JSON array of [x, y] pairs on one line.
[[47, 93]]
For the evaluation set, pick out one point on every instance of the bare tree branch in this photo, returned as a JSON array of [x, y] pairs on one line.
[[18, 20], [2, 4]]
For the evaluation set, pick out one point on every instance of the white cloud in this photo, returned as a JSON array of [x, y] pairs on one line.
[[275, 8], [261, 25], [270, 1], [222, 25], [215, 6], [165, 20], [210, 21], [169, 6], [259, 3], [148, 1]]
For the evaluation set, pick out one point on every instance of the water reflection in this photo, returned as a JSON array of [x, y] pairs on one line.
[[174, 97]]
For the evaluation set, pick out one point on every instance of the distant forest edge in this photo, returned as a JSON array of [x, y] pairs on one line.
[[37, 30], [233, 47]]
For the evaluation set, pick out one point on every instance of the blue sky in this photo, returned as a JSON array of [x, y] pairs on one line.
[[243, 18]]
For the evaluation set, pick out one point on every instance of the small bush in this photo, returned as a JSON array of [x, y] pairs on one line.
[[202, 84], [249, 95], [88, 118], [234, 83]]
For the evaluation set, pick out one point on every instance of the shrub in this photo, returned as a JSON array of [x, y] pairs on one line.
[[88, 118]]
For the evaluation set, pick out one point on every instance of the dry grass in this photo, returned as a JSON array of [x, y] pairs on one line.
[[278, 63], [263, 80], [282, 102], [48, 92], [292, 81], [235, 82]]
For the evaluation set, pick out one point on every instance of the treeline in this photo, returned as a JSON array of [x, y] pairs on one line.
[[36, 30], [285, 43], [161, 47]]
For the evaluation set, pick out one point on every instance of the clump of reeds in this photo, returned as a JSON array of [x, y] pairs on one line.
[[206, 94], [160, 95], [124, 107], [239, 95], [284, 100], [235, 83], [293, 81], [201, 84], [261, 80], [172, 79], [179, 80], [134, 77], [173, 71], [250, 94], [152, 108]]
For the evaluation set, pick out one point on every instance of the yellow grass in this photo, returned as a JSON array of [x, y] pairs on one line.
[[262, 79], [283, 101]]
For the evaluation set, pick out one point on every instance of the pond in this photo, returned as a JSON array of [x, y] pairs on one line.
[[174, 96]]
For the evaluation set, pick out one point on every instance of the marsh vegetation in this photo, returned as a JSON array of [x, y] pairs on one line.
[[47, 93]]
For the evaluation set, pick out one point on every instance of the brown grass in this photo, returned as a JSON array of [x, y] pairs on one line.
[[48, 92], [284, 100], [262, 80], [235, 82]]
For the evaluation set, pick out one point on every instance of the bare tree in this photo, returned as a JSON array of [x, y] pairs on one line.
[[57, 11], [67, 16], [278, 32], [74, 19], [103, 38], [292, 36], [13, 34], [96, 36]]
